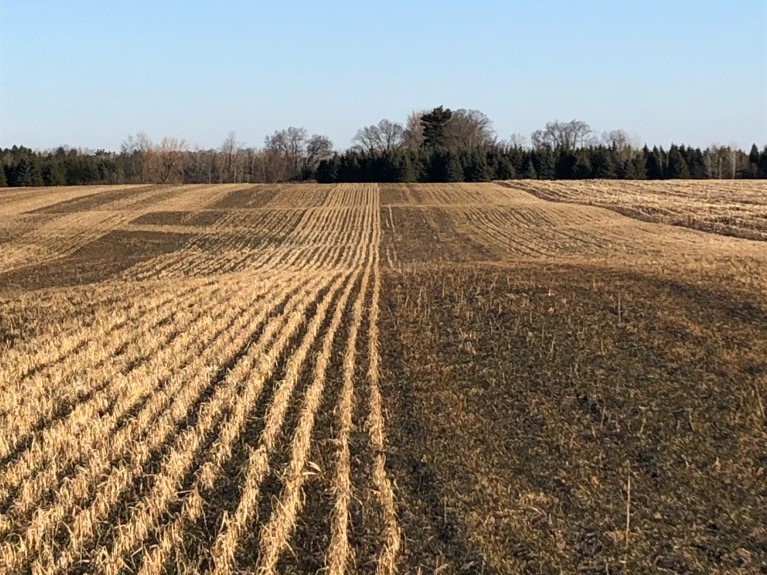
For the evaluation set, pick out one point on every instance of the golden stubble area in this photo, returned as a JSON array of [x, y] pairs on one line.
[[528, 377]]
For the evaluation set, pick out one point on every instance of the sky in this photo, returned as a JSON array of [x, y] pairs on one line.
[[89, 73]]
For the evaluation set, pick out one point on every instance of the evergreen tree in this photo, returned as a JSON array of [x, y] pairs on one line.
[[636, 168], [503, 169], [547, 163], [21, 174], [3, 179], [763, 163], [454, 172], [405, 170], [677, 166], [603, 164], [582, 168], [75, 172], [445, 166], [530, 172], [475, 167], [565, 167], [433, 124], [437, 171], [654, 162], [349, 170], [327, 170], [753, 162], [696, 163], [35, 173], [519, 159]]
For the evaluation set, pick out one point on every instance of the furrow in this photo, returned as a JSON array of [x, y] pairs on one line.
[[64, 383], [186, 449], [279, 335], [275, 535], [58, 446], [339, 553], [124, 454], [225, 546]]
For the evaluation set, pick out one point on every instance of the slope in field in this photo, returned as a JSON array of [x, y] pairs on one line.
[[728, 207], [212, 402], [356, 378]]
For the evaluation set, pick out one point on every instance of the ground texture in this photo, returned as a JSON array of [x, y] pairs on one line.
[[523, 377]]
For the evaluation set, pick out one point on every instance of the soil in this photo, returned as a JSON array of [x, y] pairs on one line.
[[541, 417], [521, 402], [98, 261]]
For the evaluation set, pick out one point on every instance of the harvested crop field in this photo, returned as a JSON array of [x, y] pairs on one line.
[[393, 378], [721, 206]]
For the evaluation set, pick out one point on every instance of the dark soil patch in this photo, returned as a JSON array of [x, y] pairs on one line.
[[203, 218], [97, 261], [161, 218], [420, 235], [22, 225], [393, 194], [91, 202], [521, 401], [251, 197], [180, 218]]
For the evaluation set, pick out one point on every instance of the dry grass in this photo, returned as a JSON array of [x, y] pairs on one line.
[[364, 379], [730, 207]]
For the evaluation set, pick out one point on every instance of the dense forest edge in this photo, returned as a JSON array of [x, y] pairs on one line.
[[440, 145]]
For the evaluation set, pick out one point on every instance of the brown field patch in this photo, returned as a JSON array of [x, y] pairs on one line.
[[93, 201], [522, 401], [730, 208], [97, 261], [202, 218], [251, 197], [354, 378]]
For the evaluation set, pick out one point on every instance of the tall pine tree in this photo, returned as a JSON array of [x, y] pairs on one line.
[[654, 163], [433, 123], [753, 162], [677, 166], [475, 166]]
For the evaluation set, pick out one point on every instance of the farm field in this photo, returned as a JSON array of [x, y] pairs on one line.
[[725, 207], [508, 377]]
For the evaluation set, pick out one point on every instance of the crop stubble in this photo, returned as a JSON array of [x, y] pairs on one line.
[[214, 401], [118, 425]]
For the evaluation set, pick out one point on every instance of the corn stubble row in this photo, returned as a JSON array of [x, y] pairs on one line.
[[114, 433], [518, 221]]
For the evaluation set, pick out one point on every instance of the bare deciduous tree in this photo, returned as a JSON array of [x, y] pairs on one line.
[[617, 139], [721, 161], [469, 129], [412, 136], [564, 135], [391, 134], [168, 160], [318, 148], [229, 151], [286, 148], [385, 136], [517, 141], [137, 148], [367, 139], [623, 145]]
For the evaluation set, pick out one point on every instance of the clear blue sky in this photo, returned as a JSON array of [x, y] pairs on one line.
[[88, 73]]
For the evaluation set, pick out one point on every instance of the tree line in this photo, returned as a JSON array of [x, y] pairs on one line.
[[439, 145]]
